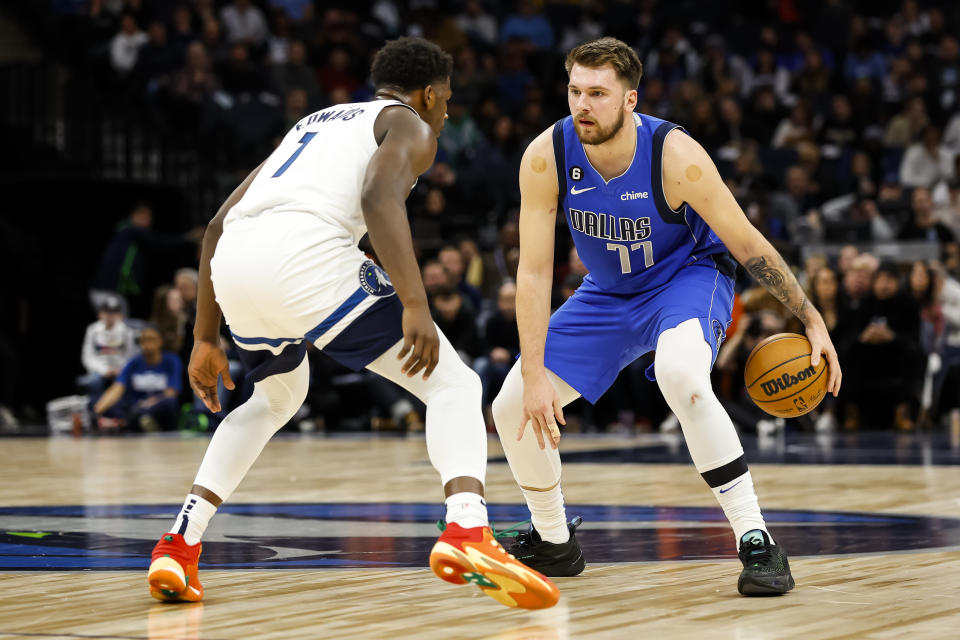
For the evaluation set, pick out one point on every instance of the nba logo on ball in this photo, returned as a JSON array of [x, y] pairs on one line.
[[374, 280], [780, 378]]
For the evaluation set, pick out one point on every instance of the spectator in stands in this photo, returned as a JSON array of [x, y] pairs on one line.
[[795, 129], [923, 286], [107, 345], [126, 264], [211, 37], [452, 260], [923, 226], [435, 278], [788, 208], [337, 72], [905, 127], [885, 358], [457, 321], [473, 271], [296, 106], [158, 56], [239, 74], [479, 25], [528, 25], [825, 295], [169, 317], [300, 11], [144, 395], [295, 73], [244, 23], [125, 46], [949, 379], [839, 129], [946, 74], [926, 163], [501, 342], [181, 31]]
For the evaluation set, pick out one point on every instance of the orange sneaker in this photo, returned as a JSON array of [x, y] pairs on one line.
[[473, 555], [173, 570]]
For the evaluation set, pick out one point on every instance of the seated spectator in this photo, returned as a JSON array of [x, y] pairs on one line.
[[795, 129], [158, 56], [295, 73], [239, 74], [145, 393], [435, 278], [927, 163], [923, 284], [244, 23], [182, 32], [884, 361], [905, 127], [452, 260], [125, 46], [529, 25], [501, 343], [923, 226], [949, 379], [337, 72], [479, 25], [457, 321], [107, 345], [168, 317]]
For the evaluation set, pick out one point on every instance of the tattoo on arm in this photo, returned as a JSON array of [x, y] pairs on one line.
[[780, 281]]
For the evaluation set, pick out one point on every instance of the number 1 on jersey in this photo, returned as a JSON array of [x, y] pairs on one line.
[[624, 252], [304, 141]]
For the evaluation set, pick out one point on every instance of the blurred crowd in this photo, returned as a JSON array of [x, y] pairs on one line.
[[834, 122]]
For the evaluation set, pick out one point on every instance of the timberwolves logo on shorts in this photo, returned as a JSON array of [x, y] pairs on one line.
[[374, 280]]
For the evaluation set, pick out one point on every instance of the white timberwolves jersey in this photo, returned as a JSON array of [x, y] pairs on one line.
[[319, 169]]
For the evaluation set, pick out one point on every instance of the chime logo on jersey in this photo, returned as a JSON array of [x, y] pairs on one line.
[[609, 227], [374, 280]]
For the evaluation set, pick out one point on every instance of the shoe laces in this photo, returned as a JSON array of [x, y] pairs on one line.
[[757, 553]]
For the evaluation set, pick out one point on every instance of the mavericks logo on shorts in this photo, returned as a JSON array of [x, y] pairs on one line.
[[374, 280]]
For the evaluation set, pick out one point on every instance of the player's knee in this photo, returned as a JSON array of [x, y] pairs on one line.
[[506, 410], [677, 377]]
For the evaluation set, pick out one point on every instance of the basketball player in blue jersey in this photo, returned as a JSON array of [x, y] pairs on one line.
[[280, 261], [656, 226]]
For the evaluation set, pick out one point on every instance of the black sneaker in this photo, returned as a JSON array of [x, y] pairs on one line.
[[766, 571], [552, 560]]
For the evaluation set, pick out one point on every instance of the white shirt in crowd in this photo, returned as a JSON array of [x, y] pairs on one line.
[[106, 350], [244, 25], [124, 49]]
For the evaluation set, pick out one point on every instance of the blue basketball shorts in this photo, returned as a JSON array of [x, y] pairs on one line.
[[595, 334]]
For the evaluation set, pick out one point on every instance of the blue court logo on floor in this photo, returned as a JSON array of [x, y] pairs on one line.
[[375, 280], [330, 535]]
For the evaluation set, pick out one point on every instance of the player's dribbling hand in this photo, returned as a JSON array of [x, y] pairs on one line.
[[207, 363], [820, 343], [419, 334], [542, 409]]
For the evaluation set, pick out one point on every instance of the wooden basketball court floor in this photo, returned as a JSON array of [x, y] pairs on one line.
[[329, 537]]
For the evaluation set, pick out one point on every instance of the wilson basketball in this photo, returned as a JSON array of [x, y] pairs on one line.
[[780, 378]]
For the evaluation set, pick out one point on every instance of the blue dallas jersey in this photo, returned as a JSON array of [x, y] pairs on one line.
[[624, 230]]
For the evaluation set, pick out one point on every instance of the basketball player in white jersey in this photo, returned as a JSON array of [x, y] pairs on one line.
[[280, 260]]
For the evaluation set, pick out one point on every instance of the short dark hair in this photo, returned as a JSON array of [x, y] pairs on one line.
[[616, 53], [409, 64]]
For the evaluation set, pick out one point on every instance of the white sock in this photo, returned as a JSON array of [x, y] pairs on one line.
[[740, 505], [193, 518], [547, 514], [467, 509]]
